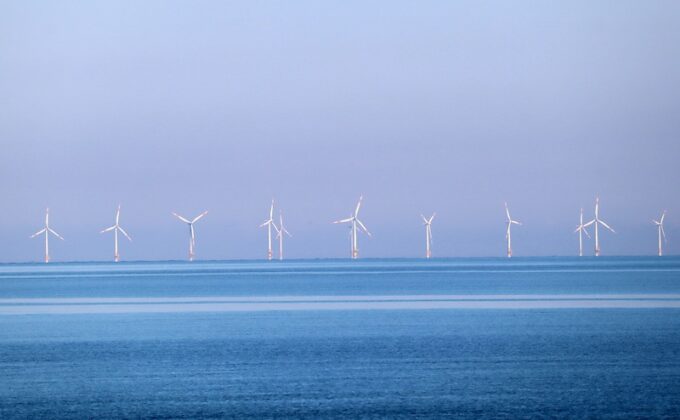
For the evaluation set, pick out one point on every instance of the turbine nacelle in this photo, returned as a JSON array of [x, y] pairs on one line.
[[582, 227], [427, 221], [281, 229], [660, 221], [509, 219]]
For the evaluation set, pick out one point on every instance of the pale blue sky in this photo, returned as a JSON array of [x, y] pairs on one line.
[[451, 107]]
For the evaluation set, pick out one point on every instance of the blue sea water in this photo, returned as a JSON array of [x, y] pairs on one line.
[[539, 337]]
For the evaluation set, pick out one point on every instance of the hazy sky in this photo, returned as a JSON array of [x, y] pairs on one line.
[[451, 107]]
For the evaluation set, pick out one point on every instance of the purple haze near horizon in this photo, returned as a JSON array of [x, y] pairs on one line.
[[451, 107]]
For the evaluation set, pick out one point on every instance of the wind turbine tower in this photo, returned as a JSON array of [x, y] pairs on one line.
[[192, 234], [510, 222], [581, 229], [47, 230], [354, 224], [597, 221], [280, 231], [428, 234], [659, 225], [115, 228], [269, 223]]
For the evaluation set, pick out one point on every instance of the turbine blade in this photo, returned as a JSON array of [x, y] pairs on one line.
[[589, 223], [424, 218], [356, 211], [363, 227], [118, 214], [432, 217], [108, 229], [349, 219], [55, 234], [287, 233], [662, 217], [606, 225], [586, 232], [124, 233], [663, 232], [40, 232], [197, 218], [507, 212], [266, 222], [180, 217], [515, 222]]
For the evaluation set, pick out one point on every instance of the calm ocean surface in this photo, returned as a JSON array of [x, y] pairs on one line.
[[330, 338]]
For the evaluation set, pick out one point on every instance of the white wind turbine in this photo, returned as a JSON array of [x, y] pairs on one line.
[[428, 234], [280, 230], [510, 222], [269, 223], [354, 220], [597, 221], [116, 228], [659, 224], [581, 229], [47, 230], [192, 235]]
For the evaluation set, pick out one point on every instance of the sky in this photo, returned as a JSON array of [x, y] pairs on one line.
[[447, 107]]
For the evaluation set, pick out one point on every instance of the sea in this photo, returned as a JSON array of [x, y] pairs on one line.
[[316, 339]]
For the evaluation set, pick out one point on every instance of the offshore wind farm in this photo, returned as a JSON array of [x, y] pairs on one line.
[[339, 209], [355, 225]]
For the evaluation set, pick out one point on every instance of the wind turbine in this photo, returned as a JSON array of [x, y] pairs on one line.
[[581, 229], [354, 220], [659, 224], [428, 234], [47, 230], [269, 223], [115, 228], [192, 235], [597, 221], [510, 222], [280, 230]]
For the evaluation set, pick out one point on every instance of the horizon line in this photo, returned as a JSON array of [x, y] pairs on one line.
[[348, 259]]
